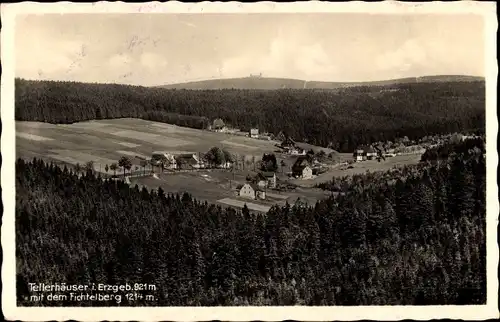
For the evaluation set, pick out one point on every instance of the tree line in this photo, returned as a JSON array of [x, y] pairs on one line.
[[417, 241], [339, 119], [443, 151]]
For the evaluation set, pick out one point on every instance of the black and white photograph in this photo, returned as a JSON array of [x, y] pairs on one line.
[[259, 161]]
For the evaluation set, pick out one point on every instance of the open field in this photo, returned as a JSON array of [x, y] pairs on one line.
[[133, 154], [107, 141], [202, 188], [128, 144], [32, 137], [217, 185]]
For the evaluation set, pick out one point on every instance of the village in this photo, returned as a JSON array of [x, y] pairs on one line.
[[287, 174], [218, 164]]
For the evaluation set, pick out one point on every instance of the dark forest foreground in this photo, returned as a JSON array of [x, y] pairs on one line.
[[419, 241]]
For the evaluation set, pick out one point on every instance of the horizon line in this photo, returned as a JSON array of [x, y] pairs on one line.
[[318, 81], [257, 77]]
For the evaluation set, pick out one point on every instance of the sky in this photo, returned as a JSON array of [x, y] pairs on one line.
[[156, 49]]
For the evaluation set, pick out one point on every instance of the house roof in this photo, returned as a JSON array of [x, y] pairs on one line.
[[253, 185], [370, 149], [366, 149], [218, 123], [300, 168], [268, 174], [301, 161], [189, 158], [159, 156], [288, 141]]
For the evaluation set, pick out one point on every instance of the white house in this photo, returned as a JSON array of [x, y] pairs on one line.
[[254, 133], [359, 155], [218, 125], [365, 153], [252, 191], [307, 173]]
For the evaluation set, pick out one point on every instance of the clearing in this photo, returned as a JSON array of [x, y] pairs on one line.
[[104, 142]]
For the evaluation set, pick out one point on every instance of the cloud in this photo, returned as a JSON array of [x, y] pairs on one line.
[[309, 47], [282, 58], [62, 56], [120, 61], [314, 61], [409, 55], [153, 61]]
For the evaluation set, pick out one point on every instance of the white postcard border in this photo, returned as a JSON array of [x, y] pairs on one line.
[[11, 311]]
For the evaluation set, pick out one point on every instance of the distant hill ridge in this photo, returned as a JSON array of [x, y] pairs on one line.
[[266, 83]]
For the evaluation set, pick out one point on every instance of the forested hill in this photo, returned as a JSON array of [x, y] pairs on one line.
[[268, 83], [341, 119], [420, 241]]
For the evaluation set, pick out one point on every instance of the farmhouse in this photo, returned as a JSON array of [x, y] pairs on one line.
[[359, 155], [188, 161], [306, 173], [302, 168], [254, 133], [168, 160], [219, 126], [252, 191], [370, 153], [365, 153], [270, 178], [290, 147], [265, 179], [281, 136], [288, 143]]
